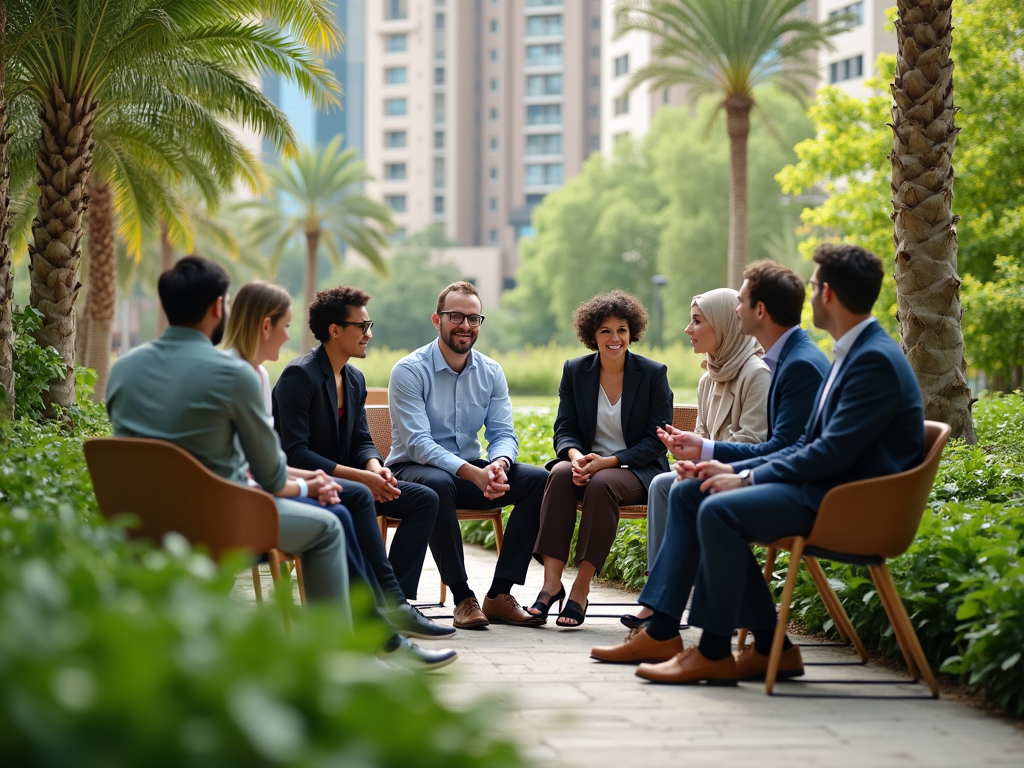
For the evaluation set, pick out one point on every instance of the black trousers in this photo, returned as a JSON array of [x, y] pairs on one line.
[[525, 493], [398, 574]]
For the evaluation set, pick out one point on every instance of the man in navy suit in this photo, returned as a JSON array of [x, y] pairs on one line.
[[867, 420], [770, 303]]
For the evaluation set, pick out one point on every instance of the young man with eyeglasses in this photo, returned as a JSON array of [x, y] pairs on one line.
[[319, 411], [441, 395]]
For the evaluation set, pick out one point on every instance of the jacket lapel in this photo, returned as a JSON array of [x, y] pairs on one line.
[[352, 408], [332, 390], [791, 342], [631, 375], [826, 409], [590, 381]]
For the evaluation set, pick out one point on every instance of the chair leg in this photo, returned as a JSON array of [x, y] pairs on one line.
[[769, 567], [257, 584], [899, 614], [499, 534], [382, 521], [835, 607], [301, 580], [795, 556], [444, 593], [274, 558], [897, 627]]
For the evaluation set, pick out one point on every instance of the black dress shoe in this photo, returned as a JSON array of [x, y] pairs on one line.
[[402, 653], [410, 622]]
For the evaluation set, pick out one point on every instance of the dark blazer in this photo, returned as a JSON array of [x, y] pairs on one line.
[[306, 415], [872, 424], [646, 405], [798, 374]]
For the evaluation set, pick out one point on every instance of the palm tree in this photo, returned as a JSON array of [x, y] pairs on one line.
[[6, 273], [727, 49], [318, 197], [927, 283], [141, 89]]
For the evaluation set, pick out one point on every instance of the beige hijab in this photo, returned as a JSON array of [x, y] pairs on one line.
[[734, 349]]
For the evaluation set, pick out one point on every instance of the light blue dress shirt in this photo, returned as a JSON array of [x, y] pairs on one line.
[[436, 413]]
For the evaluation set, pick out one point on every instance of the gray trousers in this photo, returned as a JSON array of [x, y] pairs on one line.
[[318, 537], [657, 513]]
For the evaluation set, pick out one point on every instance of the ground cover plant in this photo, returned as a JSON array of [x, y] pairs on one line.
[[117, 653]]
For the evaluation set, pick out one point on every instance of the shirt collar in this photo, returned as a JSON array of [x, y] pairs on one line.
[[845, 343], [775, 352], [183, 333], [440, 364]]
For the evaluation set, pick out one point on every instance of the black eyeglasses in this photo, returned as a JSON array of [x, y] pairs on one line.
[[365, 324], [457, 317]]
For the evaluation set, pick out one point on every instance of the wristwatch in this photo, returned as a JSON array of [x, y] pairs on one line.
[[746, 477]]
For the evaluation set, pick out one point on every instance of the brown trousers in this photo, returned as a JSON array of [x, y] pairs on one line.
[[601, 498]]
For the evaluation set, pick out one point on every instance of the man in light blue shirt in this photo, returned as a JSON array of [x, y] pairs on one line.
[[440, 396]]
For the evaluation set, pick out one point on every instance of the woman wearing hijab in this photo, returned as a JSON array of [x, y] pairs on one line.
[[732, 395]]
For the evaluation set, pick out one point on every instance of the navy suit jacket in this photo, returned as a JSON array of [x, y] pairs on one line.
[[872, 424], [646, 405], [798, 374], [306, 415]]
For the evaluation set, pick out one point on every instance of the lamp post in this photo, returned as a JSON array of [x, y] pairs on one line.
[[657, 283]]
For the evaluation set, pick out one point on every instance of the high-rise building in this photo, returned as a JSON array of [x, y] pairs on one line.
[[853, 61], [478, 109]]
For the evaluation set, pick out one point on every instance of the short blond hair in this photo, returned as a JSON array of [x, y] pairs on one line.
[[255, 302]]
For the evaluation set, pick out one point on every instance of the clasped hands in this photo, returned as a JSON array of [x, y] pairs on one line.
[[491, 480], [382, 483], [323, 488], [586, 465], [716, 475]]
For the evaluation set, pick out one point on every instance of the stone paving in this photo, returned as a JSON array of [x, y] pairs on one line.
[[566, 710]]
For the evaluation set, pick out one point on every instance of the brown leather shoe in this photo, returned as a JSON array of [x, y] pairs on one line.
[[469, 616], [505, 609], [752, 665], [637, 647], [690, 667]]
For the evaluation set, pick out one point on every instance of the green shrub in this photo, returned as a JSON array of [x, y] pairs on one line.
[[34, 367]]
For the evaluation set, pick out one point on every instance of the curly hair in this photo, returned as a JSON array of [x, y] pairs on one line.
[[590, 314], [330, 307]]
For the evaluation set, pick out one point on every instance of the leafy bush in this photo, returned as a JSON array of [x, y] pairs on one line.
[[114, 653], [34, 367]]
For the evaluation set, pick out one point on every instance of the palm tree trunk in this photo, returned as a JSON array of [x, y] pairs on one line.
[[312, 242], [102, 296], [927, 283], [64, 160], [166, 262], [6, 273], [737, 122]]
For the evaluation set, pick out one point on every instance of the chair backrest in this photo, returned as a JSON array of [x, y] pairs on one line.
[[378, 418], [684, 417], [880, 516], [376, 396], [168, 489]]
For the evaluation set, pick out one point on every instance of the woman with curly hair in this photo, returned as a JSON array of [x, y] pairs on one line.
[[610, 405]]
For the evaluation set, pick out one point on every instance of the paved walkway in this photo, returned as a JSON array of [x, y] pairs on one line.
[[567, 710]]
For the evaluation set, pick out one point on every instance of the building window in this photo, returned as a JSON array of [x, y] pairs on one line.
[[394, 139], [847, 69], [494, 144], [543, 85], [544, 114], [438, 21], [494, 54], [595, 52], [621, 105], [492, 236], [543, 174], [549, 55], [438, 139], [595, 142], [595, 81], [494, 83], [664, 96], [594, 111], [394, 171], [595, 23], [539, 3], [438, 204], [395, 202], [493, 174], [544, 144], [396, 9], [492, 204], [855, 11], [396, 76], [494, 113], [438, 75], [438, 173], [396, 43], [494, 25], [621, 64], [395, 107], [544, 26], [534, 199], [439, 108]]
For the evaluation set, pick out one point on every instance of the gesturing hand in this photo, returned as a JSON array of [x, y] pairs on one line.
[[686, 470], [685, 446]]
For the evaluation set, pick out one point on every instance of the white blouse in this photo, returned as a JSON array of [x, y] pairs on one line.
[[608, 435]]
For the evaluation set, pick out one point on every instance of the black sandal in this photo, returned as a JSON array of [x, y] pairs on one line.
[[574, 611], [544, 608]]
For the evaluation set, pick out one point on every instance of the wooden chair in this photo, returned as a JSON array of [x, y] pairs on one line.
[[378, 418], [168, 489], [864, 523], [376, 395]]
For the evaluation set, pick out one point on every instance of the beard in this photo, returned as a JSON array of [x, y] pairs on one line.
[[218, 332], [457, 345]]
